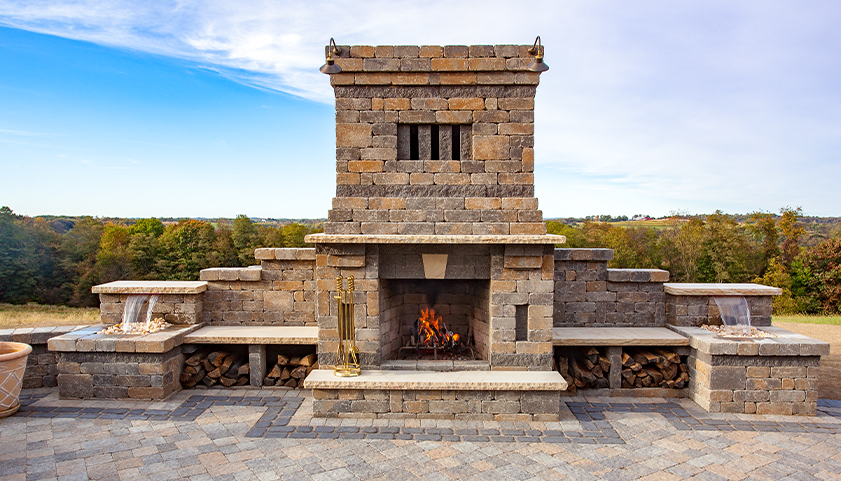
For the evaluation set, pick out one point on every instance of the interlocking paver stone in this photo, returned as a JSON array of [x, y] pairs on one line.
[[270, 434]]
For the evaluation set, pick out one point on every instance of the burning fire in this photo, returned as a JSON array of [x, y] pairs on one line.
[[432, 332]]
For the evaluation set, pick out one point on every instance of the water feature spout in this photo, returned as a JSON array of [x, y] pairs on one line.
[[133, 308], [735, 314]]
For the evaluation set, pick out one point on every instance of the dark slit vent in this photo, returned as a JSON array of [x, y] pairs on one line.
[[435, 153], [456, 143], [521, 323], [413, 143]]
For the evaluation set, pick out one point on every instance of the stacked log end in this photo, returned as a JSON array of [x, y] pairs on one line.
[[290, 371], [584, 368], [215, 368], [654, 367], [589, 368]]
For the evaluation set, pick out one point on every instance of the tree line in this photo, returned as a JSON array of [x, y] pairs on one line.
[[58, 260], [765, 248]]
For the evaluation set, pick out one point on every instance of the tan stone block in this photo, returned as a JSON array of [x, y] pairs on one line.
[[774, 408], [490, 147], [515, 179], [421, 179], [348, 65], [451, 179], [353, 135], [485, 203], [523, 262], [441, 166], [494, 78], [503, 286], [454, 117], [346, 77], [278, 301], [526, 78], [410, 78], [483, 179], [787, 383], [362, 51], [527, 228], [350, 203], [519, 203], [429, 104], [376, 104], [396, 104], [449, 64], [387, 203], [379, 153], [353, 104], [487, 64], [347, 179], [391, 178], [430, 51], [384, 51], [457, 78], [373, 78], [460, 103], [516, 129], [417, 117], [516, 104], [365, 165]]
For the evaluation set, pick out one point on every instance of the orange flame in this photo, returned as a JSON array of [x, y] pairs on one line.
[[431, 330]]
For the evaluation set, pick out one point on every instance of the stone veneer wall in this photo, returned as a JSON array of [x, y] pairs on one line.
[[41, 365], [173, 308], [113, 375], [588, 294], [764, 376], [485, 90], [520, 285], [279, 292], [479, 405], [698, 310]]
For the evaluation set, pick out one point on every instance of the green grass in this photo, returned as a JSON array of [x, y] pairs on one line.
[[37, 315], [807, 319]]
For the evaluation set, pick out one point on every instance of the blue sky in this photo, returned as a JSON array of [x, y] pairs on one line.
[[217, 108]]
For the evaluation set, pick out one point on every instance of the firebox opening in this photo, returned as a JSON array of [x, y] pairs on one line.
[[461, 305]]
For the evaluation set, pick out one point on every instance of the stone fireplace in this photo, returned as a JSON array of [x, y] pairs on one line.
[[435, 204]]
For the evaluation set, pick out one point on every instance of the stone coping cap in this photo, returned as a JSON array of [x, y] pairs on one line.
[[617, 336], [451, 381], [87, 340], [151, 287], [253, 335], [701, 289], [433, 239], [35, 335], [786, 343]]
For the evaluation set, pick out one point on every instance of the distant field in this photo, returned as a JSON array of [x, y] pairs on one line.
[[36, 315], [653, 223], [808, 319]]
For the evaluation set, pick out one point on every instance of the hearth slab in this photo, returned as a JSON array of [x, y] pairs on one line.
[[698, 289], [433, 239], [254, 335], [434, 380], [617, 336]]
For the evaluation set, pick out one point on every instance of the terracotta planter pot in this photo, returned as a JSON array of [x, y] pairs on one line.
[[12, 365]]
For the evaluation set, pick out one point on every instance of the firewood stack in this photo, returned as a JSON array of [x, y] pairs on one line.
[[585, 368], [215, 368], [290, 371], [653, 368]]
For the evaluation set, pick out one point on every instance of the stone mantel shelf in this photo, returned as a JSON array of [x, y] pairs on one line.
[[699, 289], [433, 380], [433, 239], [151, 287]]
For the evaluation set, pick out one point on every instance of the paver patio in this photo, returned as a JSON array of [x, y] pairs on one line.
[[270, 434]]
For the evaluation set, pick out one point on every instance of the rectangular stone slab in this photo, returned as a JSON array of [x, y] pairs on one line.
[[432, 380], [617, 336], [433, 239], [690, 289], [254, 335], [151, 287]]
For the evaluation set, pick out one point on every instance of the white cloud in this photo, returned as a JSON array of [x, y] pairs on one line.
[[713, 104]]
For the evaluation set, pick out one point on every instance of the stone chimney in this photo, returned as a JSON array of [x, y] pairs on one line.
[[435, 140]]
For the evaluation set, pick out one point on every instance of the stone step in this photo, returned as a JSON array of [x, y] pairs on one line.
[[434, 380], [617, 336]]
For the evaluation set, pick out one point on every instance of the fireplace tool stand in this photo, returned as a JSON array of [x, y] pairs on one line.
[[347, 363]]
